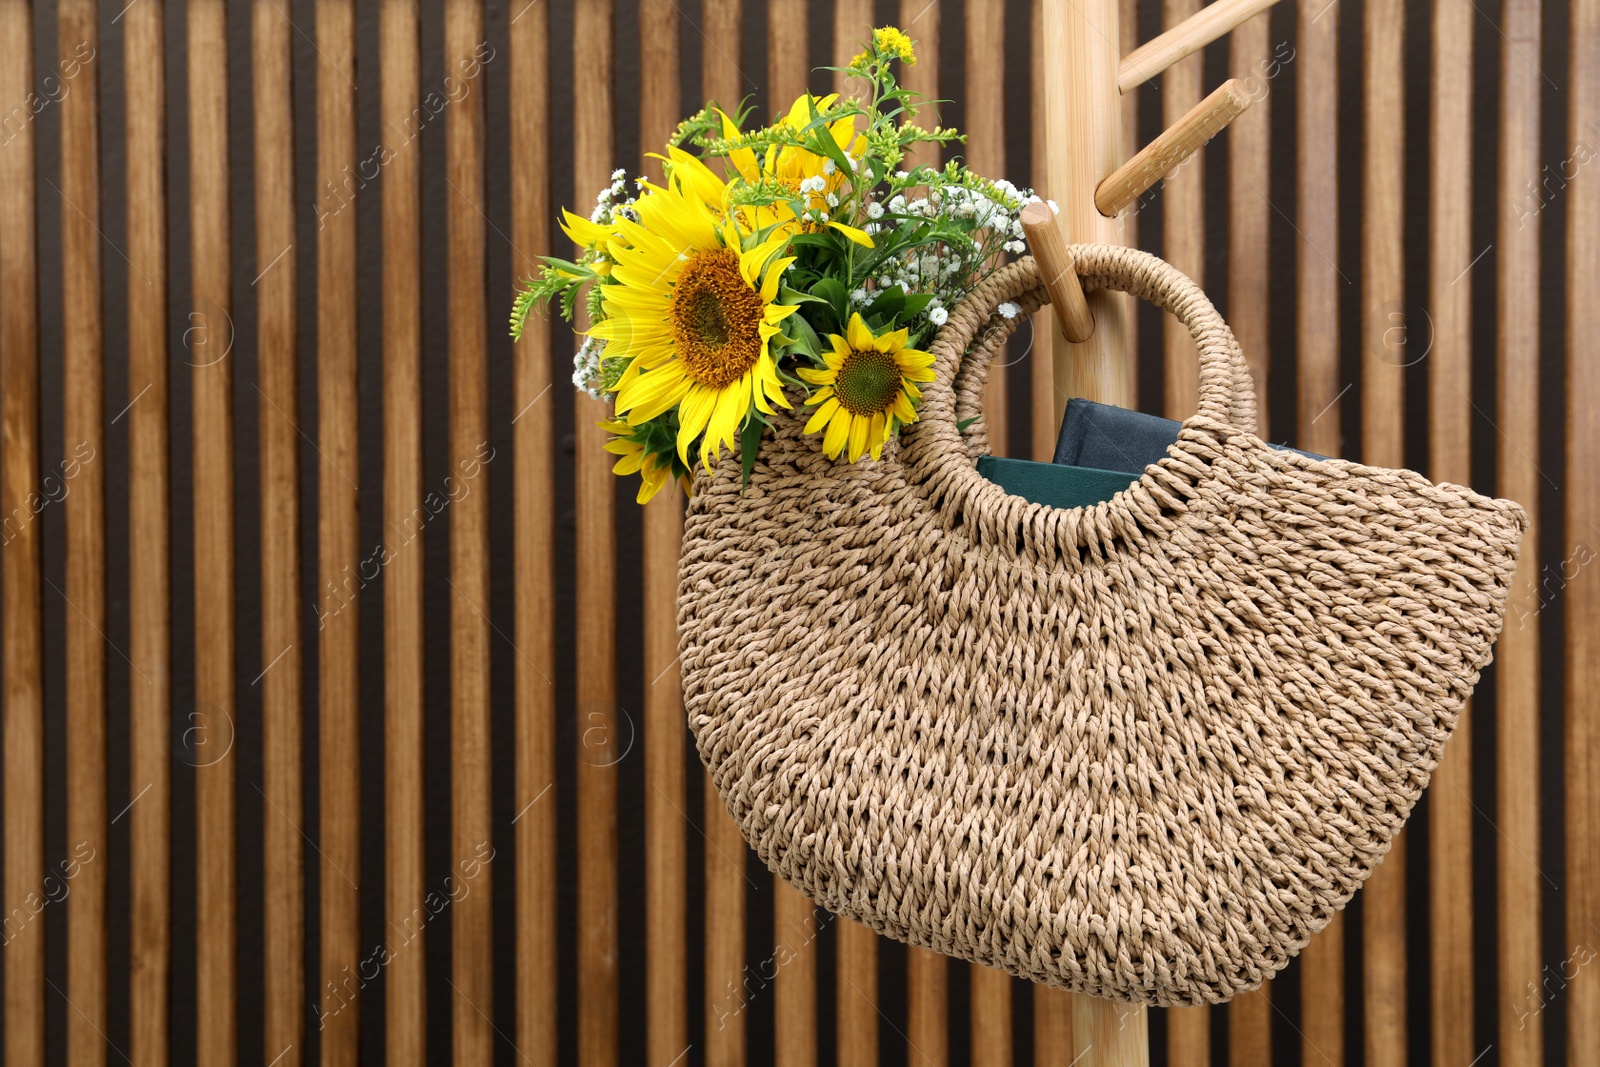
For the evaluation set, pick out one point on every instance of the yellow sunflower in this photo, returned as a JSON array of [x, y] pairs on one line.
[[654, 471], [868, 387], [693, 311], [800, 170]]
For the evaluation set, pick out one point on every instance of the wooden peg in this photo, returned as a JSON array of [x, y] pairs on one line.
[[1184, 39], [1177, 143], [1059, 272]]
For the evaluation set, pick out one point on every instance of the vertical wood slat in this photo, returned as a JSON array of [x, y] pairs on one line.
[[920, 21], [1450, 255], [1519, 880], [20, 620], [725, 849], [927, 973], [471, 919], [855, 946], [596, 598], [1183, 245], [83, 359], [1317, 339], [989, 1010], [405, 991], [856, 993], [211, 265], [1249, 218], [277, 362], [666, 846], [534, 443], [794, 988], [1052, 1008], [983, 94], [1041, 356], [788, 68], [1582, 727], [1383, 444], [1127, 223], [149, 567], [339, 538], [1249, 213], [927, 1007]]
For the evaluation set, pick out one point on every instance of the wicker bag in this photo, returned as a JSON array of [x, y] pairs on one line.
[[1144, 749]]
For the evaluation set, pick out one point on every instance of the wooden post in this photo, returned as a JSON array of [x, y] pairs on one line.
[[1083, 146]]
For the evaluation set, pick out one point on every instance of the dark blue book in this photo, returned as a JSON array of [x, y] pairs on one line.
[[1102, 450]]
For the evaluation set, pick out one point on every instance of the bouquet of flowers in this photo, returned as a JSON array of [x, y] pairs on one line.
[[798, 262]]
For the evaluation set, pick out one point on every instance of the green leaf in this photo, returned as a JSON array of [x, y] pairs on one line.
[[962, 426], [889, 305], [749, 446], [808, 341], [787, 295], [832, 290]]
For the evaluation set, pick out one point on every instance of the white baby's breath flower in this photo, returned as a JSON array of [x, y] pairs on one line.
[[1054, 206], [1008, 310], [829, 166], [833, 199], [938, 316], [874, 210], [619, 174]]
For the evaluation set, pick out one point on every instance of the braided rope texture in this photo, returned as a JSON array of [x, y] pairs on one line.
[[1142, 750]]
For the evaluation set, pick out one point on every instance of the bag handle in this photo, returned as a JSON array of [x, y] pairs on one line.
[[1227, 391]]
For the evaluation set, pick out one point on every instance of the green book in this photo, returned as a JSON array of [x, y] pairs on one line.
[[1055, 484]]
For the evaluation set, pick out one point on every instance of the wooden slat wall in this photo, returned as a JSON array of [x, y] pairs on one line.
[[1519, 877], [277, 368], [666, 780], [471, 828], [722, 79], [1317, 339], [1183, 237], [1249, 176], [596, 661], [149, 525], [21, 644], [1582, 520], [211, 383], [535, 377], [1451, 910], [985, 109], [339, 538], [1384, 356], [83, 429], [405, 994], [577, 632], [855, 946]]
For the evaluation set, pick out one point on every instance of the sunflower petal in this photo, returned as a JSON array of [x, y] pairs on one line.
[[877, 435], [823, 415], [859, 334], [860, 237], [858, 437]]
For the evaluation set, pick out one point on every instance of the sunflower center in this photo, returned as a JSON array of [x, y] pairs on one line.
[[868, 381], [716, 319]]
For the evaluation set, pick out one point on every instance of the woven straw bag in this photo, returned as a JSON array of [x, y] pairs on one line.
[[1143, 750]]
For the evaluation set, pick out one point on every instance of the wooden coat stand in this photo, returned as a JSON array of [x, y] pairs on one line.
[[1088, 178]]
